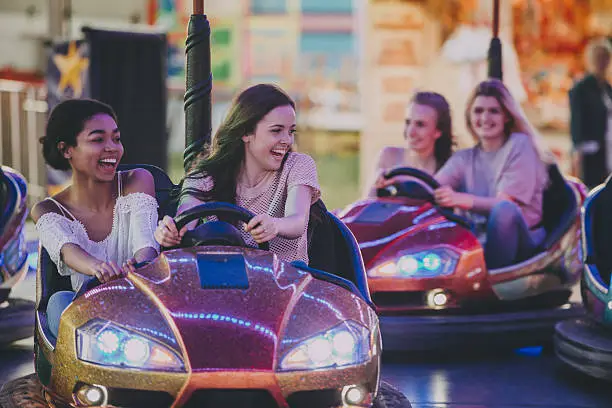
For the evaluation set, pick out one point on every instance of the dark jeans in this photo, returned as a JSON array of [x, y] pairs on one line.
[[509, 239]]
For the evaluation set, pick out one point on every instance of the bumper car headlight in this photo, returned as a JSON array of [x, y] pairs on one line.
[[105, 343], [344, 345], [424, 264]]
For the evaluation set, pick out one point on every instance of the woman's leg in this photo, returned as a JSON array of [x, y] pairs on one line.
[[508, 236], [58, 302]]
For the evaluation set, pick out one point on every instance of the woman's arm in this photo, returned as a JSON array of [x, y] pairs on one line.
[[383, 162], [264, 227], [60, 242], [447, 197], [144, 214], [297, 209]]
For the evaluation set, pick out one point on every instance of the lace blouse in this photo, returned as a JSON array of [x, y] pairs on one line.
[[270, 196], [134, 222]]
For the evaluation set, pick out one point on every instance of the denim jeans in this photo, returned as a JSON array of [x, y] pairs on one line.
[[509, 239], [58, 302]]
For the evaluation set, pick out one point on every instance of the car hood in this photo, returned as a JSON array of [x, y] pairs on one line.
[[378, 223], [234, 322]]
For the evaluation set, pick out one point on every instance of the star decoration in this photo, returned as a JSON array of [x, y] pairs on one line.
[[71, 67]]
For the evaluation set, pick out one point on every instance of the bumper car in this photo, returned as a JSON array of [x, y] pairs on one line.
[[214, 323], [429, 282], [16, 315], [586, 343]]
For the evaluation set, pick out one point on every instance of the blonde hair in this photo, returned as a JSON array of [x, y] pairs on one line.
[[518, 122], [601, 43]]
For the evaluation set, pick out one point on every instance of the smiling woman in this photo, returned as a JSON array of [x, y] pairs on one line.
[[103, 222], [251, 164]]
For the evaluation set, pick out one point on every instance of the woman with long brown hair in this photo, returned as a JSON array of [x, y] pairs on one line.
[[429, 140]]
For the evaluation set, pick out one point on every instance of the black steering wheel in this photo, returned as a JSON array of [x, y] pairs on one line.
[[399, 189], [403, 189], [217, 209]]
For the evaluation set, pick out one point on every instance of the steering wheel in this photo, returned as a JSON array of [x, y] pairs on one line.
[[216, 209], [396, 188], [430, 182]]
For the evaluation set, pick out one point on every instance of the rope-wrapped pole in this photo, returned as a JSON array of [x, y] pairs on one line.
[[495, 49], [198, 85]]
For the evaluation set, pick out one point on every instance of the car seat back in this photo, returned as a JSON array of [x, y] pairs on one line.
[[165, 190], [333, 248], [597, 224], [559, 207]]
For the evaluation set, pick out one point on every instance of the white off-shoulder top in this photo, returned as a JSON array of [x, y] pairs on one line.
[[134, 222]]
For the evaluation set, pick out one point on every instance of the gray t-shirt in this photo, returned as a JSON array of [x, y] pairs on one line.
[[515, 169]]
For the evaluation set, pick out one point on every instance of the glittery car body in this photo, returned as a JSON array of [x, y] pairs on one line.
[[426, 267], [226, 339], [411, 247]]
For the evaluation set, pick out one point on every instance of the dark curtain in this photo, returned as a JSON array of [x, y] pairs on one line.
[[128, 71]]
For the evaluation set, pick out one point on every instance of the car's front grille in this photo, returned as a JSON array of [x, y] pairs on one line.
[[231, 399], [399, 299], [122, 397], [319, 398]]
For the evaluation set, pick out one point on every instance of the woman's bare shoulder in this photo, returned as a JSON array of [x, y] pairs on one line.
[[48, 206], [138, 181]]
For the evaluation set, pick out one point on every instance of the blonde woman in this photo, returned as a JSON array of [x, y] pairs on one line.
[[499, 182]]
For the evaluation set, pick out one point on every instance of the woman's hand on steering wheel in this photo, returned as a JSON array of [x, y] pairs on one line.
[[383, 182], [106, 271], [262, 228], [445, 196], [166, 234]]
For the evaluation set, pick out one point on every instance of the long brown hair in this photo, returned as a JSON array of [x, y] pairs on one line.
[[443, 147], [222, 161]]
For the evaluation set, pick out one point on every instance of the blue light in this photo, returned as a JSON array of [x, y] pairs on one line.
[[227, 319], [432, 262], [530, 351]]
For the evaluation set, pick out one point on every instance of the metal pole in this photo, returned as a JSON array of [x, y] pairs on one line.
[[198, 85], [198, 6], [495, 49]]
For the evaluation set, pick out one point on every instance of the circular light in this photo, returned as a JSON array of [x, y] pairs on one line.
[[408, 265], [432, 262], [90, 395], [343, 343], [136, 350], [354, 396], [108, 341], [320, 350], [93, 395], [440, 299]]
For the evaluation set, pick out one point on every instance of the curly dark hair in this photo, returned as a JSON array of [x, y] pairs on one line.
[[65, 122], [443, 148]]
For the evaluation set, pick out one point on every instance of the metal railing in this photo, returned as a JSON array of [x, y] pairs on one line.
[[23, 112]]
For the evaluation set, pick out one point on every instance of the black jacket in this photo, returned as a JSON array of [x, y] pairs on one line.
[[588, 123]]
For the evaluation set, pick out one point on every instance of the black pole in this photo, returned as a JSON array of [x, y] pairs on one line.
[[198, 85], [495, 48]]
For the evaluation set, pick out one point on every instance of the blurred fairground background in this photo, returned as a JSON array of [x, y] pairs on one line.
[[351, 66]]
